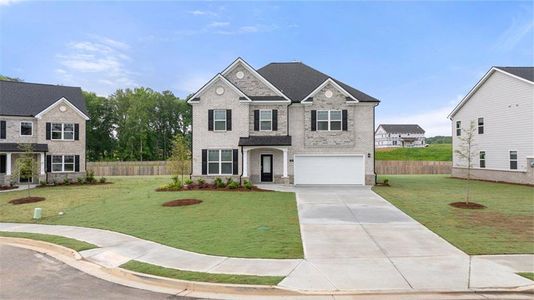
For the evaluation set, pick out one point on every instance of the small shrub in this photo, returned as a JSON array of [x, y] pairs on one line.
[[102, 179], [247, 184], [66, 180], [386, 181], [233, 185], [42, 182], [201, 181], [229, 181], [79, 180], [90, 177], [219, 183], [188, 181], [177, 185], [175, 180]]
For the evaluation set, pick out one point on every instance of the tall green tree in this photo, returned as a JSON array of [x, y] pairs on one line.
[[100, 127]]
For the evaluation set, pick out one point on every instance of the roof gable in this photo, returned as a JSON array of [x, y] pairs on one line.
[[309, 98], [196, 97], [65, 101], [523, 71], [29, 99]]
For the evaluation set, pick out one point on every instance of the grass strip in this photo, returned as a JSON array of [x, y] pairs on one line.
[[527, 275], [73, 244], [151, 269]]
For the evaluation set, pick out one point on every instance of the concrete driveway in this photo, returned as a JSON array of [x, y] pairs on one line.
[[355, 240]]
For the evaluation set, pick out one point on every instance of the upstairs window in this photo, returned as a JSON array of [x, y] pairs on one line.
[[482, 158], [219, 119], [329, 120], [458, 128], [266, 120], [513, 160], [480, 125], [62, 131], [26, 128]]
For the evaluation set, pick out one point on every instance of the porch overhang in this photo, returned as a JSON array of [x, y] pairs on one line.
[[284, 140], [19, 147]]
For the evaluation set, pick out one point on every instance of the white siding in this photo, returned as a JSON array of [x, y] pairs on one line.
[[507, 106]]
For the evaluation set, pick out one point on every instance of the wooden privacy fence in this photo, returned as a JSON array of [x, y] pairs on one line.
[[132, 168], [390, 167]]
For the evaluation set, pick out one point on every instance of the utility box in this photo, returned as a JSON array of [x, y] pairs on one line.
[[37, 213]]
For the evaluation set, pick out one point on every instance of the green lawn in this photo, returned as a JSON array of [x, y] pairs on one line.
[[142, 267], [506, 226], [527, 275], [434, 152], [237, 224], [73, 244]]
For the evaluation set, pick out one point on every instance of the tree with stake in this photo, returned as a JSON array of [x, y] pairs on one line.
[[26, 166], [466, 152], [181, 154]]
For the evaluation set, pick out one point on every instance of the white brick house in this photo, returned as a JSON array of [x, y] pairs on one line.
[[501, 105], [49, 118], [399, 135], [284, 123]]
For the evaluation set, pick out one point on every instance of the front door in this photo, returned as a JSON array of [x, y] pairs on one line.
[[266, 168]]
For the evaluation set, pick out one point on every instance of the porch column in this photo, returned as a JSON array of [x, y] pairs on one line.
[[8, 164], [245, 162], [42, 163], [285, 164]]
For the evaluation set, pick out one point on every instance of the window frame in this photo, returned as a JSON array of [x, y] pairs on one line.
[[458, 128], [513, 160], [220, 162], [480, 127], [270, 120], [215, 120], [62, 132], [20, 127], [62, 163], [482, 159], [329, 120]]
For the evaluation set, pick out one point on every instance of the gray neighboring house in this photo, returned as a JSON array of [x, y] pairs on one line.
[[283, 123], [50, 118], [501, 107], [399, 135]]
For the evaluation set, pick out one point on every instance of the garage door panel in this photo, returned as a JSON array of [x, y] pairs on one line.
[[346, 169]]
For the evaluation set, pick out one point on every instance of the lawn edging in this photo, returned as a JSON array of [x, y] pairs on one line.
[[69, 243]]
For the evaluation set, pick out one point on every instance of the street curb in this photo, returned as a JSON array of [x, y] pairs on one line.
[[205, 289]]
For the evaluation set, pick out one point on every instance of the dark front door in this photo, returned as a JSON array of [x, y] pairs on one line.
[[266, 167]]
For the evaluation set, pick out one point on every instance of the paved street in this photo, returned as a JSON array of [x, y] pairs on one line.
[[25, 274]]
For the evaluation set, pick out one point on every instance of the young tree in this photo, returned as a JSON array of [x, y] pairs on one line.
[[26, 165], [181, 154], [466, 152]]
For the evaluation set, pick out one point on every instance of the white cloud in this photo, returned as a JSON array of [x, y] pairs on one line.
[[8, 2], [219, 24], [98, 65], [434, 122], [515, 33], [202, 12]]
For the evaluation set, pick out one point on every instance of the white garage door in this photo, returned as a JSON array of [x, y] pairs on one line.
[[329, 169]]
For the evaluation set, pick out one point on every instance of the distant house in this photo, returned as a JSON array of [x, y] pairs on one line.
[[399, 135], [501, 106]]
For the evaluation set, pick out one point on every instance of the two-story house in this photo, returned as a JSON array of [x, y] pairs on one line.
[[500, 109], [50, 120], [399, 135], [283, 123]]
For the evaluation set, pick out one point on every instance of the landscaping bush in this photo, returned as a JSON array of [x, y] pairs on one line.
[[66, 180], [247, 184], [188, 181], [79, 180], [219, 183], [201, 181], [102, 179], [89, 177], [42, 183], [229, 181], [233, 185]]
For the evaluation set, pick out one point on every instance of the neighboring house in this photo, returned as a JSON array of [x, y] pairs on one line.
[[501, 106], [51, 118], [283, 123], [399, 135]]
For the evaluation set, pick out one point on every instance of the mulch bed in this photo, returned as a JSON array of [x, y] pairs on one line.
[[7, 187], [182, 202], [72, 183], [470, 205], [26, 200], [209, 187]]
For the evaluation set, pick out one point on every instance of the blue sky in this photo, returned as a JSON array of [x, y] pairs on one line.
[[419, 58]]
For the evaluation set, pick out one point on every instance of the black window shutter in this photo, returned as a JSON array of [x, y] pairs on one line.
[[210, 119], [275, 120], [313, 120], [3, 159], [77, 163], [76, 131], [48, 130], [49, 163], [204, 161], [2, 129], [229, 120], [256, 120], [344, 120], [235, 162]]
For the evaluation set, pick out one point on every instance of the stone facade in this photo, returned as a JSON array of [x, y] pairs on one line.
[[282, 119], [250, 84]]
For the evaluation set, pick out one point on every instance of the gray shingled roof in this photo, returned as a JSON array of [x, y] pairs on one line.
[[284, 140], [16, 147], [402, 128], [297, 80], [29, 99], [523, 72]]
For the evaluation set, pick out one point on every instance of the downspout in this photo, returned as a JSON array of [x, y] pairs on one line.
[[374, 143], [191, 146]]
